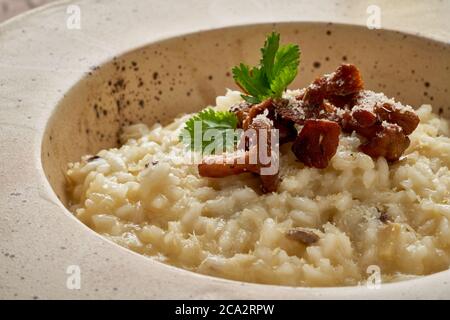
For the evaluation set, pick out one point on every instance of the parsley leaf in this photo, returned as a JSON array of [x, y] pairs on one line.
[[253, 81], [269, 52], [278, 68], [285, 68], [210, 131]]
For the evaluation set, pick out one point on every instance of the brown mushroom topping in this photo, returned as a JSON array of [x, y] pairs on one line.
[[403, 117], [389, 142], [345, 81], [227, 165], [244, 161], [364, 118], [370, 107], [317, 143], [384, 217], [332, 103], [286, 131], [293, 113], [302, 235], [299, 112], [93, 158], [241, 111], [247, 115]]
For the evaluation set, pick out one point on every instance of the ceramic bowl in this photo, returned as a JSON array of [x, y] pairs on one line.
[[70, 93]]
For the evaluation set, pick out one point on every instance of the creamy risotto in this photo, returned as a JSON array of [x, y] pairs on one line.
[[358, 212]]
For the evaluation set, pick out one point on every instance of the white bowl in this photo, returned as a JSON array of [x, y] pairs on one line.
[[60, 89]]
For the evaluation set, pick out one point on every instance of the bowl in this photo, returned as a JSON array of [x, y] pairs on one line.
[[70, 94]]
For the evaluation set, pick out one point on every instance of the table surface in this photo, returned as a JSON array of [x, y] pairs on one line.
[[10, 8]]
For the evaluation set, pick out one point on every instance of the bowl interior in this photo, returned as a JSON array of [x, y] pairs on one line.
[[184, 74]]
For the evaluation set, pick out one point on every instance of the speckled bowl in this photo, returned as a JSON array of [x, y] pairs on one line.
[[68, 92]]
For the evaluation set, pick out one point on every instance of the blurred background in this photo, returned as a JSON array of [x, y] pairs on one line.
[[10, 8]]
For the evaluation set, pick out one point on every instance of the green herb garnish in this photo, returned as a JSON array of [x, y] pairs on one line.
[[278, 68], [211, 130]]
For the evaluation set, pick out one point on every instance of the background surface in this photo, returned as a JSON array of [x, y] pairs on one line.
[[10, 8]]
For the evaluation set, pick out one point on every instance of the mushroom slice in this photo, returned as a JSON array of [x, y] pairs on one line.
[[246, 112], [241, 111], [303, 235], [346, 80], [317, 143], [389, 142], [242, 161], [406, 119]]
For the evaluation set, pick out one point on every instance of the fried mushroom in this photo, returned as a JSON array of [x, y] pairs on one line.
[[242, 161], [317, 143]]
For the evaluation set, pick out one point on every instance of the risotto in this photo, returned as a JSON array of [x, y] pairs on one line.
[[356, 186], [359, 211]]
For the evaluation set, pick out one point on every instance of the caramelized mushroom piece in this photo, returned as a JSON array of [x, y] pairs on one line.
[[317, 143], [385, 109], [300, 112], [269, 183], [383, 122], [263, 126], [246, 161], [345, 81], [343, 102], [362, 121], [385, 218], [286, 131], [389, 142], [364, 118], [246, 113], [302, 235], [256, 110], [241, 111], [292, 113], [227, 165], [405, 118]]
